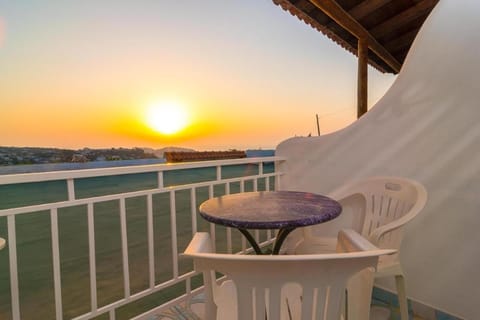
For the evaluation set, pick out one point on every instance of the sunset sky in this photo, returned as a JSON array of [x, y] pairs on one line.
[[246, 74]]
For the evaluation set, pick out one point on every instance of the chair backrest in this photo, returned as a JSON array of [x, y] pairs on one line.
[[281, 286], [383, 205]]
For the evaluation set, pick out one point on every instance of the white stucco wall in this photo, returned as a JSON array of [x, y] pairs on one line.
[[426, 128]]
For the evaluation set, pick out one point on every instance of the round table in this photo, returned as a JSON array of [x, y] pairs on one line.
[[283, 210]]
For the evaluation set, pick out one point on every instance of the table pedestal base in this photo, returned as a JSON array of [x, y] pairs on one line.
[[281, 236]]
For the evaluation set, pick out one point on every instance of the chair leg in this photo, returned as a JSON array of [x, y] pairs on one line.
[[402, 297], [359, 295]]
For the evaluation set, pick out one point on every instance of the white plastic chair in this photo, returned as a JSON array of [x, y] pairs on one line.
[[378, 208], [286, 286]]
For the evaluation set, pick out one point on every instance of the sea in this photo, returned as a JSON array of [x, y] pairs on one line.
[[34, 249]]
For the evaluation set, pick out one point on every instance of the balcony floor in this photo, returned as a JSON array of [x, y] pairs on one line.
[[384, 307]]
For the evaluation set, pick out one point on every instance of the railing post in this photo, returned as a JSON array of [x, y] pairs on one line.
[[123, 229], [71, 189], [151, 252], [91, 257], [160, 179], [12, 249], [193, 209], [173, 225], [57, 279]]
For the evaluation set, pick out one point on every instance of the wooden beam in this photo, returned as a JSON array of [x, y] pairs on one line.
[[403, 18], [304, 6], [364, 8], [402, 42], [362, 78], [337, 13]]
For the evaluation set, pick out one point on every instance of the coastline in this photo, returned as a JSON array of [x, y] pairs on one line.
[[46, 167]]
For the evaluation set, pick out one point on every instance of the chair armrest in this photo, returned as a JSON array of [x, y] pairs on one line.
[[349, 240]]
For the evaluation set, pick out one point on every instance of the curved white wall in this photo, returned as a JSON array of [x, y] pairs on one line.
[[426, 128]]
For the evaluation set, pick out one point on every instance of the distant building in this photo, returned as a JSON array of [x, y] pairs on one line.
[[183, 156], [79, 158]]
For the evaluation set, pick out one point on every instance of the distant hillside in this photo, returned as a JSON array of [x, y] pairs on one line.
[[34, 155]]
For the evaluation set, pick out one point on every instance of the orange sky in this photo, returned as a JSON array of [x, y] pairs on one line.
[[250, 75]]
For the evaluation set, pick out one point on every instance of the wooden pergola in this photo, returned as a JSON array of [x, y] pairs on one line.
[[379, 32]]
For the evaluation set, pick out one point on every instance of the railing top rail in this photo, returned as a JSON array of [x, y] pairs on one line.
[[116, 196], [88, 173]]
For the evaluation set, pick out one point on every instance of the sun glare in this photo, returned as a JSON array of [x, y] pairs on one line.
[[167, 117]]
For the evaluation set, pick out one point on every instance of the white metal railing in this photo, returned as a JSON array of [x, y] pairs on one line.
[[225, 179]]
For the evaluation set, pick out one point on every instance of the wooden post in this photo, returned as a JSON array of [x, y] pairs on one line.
[[362, 84], [318, 125]]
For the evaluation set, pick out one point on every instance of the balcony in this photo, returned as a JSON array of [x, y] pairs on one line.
[[104, 243]]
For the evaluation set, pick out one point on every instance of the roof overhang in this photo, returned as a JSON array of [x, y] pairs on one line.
[[388, 26]]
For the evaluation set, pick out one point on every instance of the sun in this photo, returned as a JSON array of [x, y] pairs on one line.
[[167, 117]]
